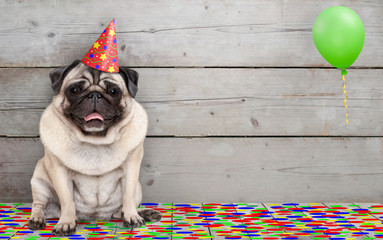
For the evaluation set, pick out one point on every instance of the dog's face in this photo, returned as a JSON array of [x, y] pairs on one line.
[[91, 99]]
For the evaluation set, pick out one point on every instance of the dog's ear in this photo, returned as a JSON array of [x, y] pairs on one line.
[[57, 75], [131, 80]]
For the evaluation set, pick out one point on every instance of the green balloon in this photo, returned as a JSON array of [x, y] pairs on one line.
[[338, 35]]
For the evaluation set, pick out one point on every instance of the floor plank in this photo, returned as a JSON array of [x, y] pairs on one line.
[[340, 221], [158, 230], [370, 215], [335, 220], [217, 215], [254, 216], [283, 224]]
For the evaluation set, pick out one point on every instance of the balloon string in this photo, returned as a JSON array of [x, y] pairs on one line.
[[345, 99]]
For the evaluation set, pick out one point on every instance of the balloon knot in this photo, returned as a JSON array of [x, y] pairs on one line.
[[344, 72]]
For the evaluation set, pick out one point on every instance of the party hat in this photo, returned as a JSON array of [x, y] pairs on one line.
[[103, 54]]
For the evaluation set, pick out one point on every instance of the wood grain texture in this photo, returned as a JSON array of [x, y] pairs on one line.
[[218, 102], [232, 169], [178, 33]]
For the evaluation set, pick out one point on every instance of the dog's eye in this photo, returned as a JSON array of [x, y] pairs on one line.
[[74, 90], [113, 92]]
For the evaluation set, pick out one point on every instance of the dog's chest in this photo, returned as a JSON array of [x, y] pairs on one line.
[[98, 193], [93, 159]]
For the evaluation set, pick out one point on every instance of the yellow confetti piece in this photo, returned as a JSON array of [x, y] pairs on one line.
[[345, 99]]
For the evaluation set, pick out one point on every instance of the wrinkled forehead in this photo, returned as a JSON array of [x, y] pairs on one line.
[[92, 76]]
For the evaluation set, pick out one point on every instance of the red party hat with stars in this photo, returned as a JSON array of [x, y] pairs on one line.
[[103, 54]]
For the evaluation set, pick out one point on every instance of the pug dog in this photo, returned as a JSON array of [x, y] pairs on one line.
[[93, 133]]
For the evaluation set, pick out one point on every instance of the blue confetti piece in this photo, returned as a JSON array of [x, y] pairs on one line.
[[236, 214], [149, 204]]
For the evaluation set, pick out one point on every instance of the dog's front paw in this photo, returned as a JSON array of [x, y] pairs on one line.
[[133, 220], [150, 215], [36, 223], [65, 228]]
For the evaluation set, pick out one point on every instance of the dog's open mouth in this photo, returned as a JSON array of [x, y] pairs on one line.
[[94, 116], [94, 122]]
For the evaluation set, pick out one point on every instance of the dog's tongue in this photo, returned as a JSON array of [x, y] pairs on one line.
[[93, 116]]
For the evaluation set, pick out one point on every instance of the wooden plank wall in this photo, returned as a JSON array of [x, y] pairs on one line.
[[242, 108]]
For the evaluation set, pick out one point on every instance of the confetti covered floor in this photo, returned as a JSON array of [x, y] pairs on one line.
[[219, 221]]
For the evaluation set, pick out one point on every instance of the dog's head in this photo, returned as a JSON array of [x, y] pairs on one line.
[[91, 99]]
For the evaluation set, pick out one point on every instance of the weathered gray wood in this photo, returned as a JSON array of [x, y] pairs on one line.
[[283, 232], [217, 232], [334, 225], [238, 169], [166, 220], [256, 222], [375, 209], [195, 102], [178, 33], [180, 217], [357, 225]]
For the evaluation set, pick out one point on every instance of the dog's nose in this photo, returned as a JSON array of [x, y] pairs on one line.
[[95, 96]]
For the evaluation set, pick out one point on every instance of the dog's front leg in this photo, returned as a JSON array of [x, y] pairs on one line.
[[130, 183], [63, 186]]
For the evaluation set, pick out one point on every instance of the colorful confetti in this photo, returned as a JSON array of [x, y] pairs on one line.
[[218, 221]]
